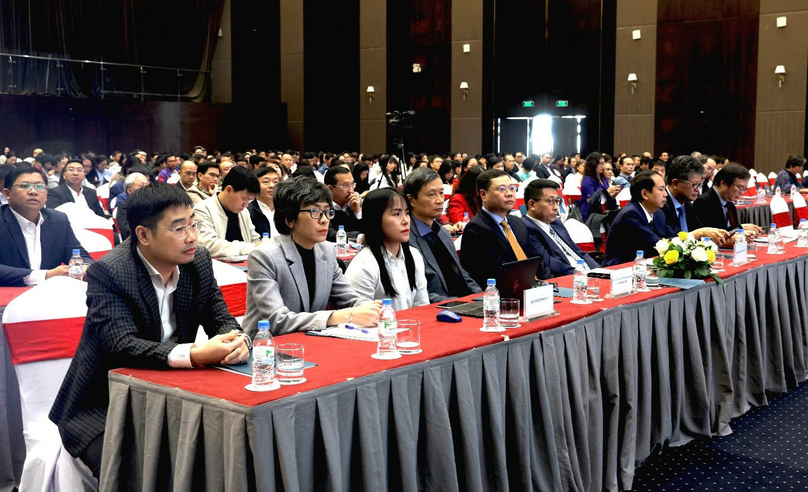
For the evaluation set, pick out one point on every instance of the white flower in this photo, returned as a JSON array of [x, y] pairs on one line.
[[661, 246], [677, 242], [691, 238], [699, 254]]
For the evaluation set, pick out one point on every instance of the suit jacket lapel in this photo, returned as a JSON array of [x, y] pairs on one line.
[[47, 241], [296, 267], [182, 302], [14, 228], [496, 229], [146, 288]]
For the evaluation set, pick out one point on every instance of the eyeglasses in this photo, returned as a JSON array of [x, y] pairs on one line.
[[511, 188], [28, 186], [347, 186], [741, 188], [74, 170], [181, 232], [550, 201], [693, 185], [316, 213]]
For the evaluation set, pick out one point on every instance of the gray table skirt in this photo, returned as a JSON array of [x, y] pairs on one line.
[[760, 215], [574, 408], [12, 442]]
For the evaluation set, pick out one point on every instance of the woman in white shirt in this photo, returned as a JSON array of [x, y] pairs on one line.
[[387, 266], [389, 175], [573, 180]]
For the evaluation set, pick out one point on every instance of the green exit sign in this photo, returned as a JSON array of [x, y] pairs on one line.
[[562, 104], [527, 104]]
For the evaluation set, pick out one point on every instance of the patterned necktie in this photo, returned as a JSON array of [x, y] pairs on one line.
[[566, 249], [517, 250]]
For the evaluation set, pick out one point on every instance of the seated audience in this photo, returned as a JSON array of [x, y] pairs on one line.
[[715, 208], [388, 164], [187, 175], [464, 199], [494, 236], [207, 182], [658, 167], [293, 277], [445, 277], [684, 178], [262, 209], [709, 171], [346, 204], [574, 178], [360, 174], [225, 228], [58, 163], [526, 172], [641, 223], [387, 267], [145, 301], [133, 182], [71, 190], [594, 180], [542, 168], [37, 242], [788, 176], [546, 231], [626, 171]]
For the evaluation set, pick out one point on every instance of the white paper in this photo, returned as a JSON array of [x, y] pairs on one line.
[[340, 331], [620, 281], [538, 301]]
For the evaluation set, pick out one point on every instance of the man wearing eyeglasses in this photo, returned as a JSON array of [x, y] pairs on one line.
[[71, 190], [37, 243], [716, 208], [494, 236], [145, 302], [346, 203], [546, 231]]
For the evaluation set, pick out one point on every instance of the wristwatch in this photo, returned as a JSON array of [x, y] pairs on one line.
[[248, 341]]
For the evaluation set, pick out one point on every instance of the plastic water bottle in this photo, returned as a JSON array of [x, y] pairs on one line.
[[491, 307], [263, 357], [387, 328], [761, 195], [265, 238], [772, 250], [778, 238], [579, 282], [802, 234], [465, 221], [342, 241], [640, 272], [76, 265], [792, 191], [777, 191]]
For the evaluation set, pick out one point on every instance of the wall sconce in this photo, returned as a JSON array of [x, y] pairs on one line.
[[780, 71], [632, 77], [416, 68], [371, 93], [464, 86]]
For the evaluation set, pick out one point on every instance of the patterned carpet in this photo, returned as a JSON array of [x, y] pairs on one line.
[[768, 450]]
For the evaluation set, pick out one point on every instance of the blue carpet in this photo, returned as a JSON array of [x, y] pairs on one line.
[[768, 450]]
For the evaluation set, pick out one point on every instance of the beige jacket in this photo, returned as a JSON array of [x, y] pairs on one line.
[[213, 229], [197, 194]]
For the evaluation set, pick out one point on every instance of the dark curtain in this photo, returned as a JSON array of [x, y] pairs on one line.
[[172, 35]]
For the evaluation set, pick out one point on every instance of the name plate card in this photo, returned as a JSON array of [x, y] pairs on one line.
[[538, 301], [739, 257], [620, 281]]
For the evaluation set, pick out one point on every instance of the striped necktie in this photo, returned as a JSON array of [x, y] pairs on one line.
[[566, 249]]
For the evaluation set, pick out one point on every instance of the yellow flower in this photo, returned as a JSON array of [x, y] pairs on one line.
[[671, 257], [710, 255], [683, 236]]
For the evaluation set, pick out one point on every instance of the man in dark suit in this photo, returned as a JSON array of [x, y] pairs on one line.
[[262, 209], [641, 223], [445, 277], [684, 178], [542, 168], [493, 236], [71, 190], [134, 182], [37, 243], [547, 233], [347, 204], [145, 300], [715, 208]]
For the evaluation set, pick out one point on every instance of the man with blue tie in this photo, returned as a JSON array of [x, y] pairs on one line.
[[685, 179], [546, 231]]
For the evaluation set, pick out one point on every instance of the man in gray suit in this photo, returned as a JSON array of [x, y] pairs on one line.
[[444, 276], [292, 278]]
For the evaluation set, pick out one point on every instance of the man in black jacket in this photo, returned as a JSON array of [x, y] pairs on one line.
[[71, 190], [145, 301], [347, 203], [684, 178], [262, 209], [715, 208]]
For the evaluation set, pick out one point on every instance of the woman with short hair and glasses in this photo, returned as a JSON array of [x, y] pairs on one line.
[[293, 277]]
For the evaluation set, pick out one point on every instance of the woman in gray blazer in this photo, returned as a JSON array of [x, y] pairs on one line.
[[292, 278]]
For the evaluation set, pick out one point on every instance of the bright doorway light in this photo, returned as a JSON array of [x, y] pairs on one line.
[[543, 134]]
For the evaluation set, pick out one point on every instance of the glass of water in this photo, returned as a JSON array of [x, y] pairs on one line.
[[593, 289], [509, 313], [718, 264], [289, 363], [408, 336], [751, 249], [652, 278]]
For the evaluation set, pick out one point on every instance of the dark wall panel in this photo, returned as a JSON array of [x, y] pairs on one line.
[[706, 75], [256, 51], [331, 75]]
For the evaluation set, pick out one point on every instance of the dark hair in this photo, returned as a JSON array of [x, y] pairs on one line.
[[373, 207], [729, 173], [682, 167], [240, 178], [464, 167], [147, 205], [793, 160], [417, 179], [266, 170], [390, 177], [490, 163], [303, 171], [69, 162], [528, 164], [642, 181], [362, 185], [445, 168], [55, 159], [535, 189], [331, 175], [204, 166], [485, 178], [17, 171], [291, 194], [591, 167], [467, 186]]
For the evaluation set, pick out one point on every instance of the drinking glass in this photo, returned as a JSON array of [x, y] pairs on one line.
[[751, 249], [509, 313], [652, 278], [718, 264], [593, 289], [408, 336], [289, 363]]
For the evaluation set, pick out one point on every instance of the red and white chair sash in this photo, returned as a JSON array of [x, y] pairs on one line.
[[780, 213], [233, 283]]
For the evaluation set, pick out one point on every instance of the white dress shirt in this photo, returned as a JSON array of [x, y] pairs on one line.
[[363, 274], [270, 215], [180, 356], [346, 208], [32, 233], [79, 198]]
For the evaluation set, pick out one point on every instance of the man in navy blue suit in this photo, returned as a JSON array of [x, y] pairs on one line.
[[641, 223], [494, 236], [37, 243], [547, 233]]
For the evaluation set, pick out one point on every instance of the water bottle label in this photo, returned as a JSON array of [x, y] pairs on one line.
[[263, 353]]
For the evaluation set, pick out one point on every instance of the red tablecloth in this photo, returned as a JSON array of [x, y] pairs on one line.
[[7, 294]]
